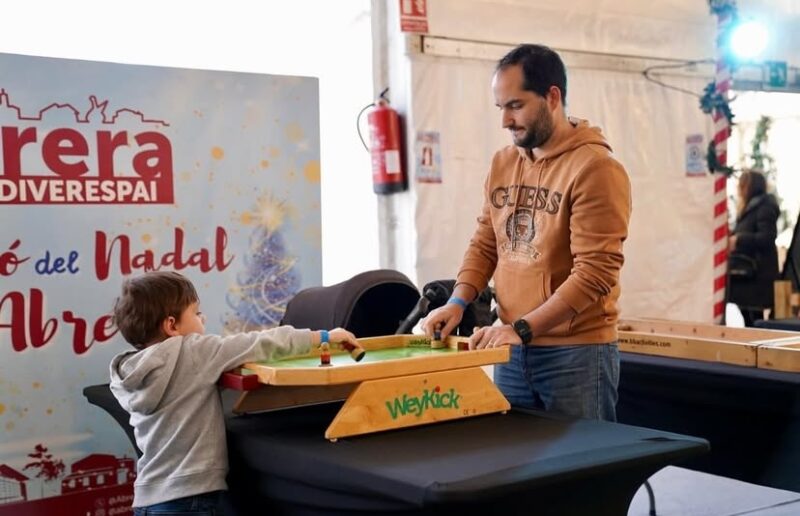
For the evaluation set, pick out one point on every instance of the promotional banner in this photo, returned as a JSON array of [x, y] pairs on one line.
[[110, 171]]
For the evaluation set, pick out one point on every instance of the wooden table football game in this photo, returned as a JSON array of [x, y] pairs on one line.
[[401, 381], [748, 347]]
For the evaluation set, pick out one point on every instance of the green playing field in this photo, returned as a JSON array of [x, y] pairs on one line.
[[376, 355]]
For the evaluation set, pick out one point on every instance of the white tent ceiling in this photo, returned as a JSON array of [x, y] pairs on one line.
[[680, 29]]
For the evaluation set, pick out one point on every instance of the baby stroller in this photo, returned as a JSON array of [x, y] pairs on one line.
[[369, 304], [379, 302]]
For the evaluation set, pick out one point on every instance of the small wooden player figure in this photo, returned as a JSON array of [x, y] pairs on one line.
[[324, 349], [436, 342]]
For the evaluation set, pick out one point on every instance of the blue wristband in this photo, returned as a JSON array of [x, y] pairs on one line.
[[458, 301], [323, 336]]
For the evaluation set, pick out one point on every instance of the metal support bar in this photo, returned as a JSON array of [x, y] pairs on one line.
[[747, 76]]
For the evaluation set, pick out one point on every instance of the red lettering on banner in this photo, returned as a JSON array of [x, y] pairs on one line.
[[162, 154], [53, 150], [16, 324], [13, 141], [71, 182], [9, 261], [106, 145], [147, 260], [102, 331], [43, 330], [40, 331], [77, 175]]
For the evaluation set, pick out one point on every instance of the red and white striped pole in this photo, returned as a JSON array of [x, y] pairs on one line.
[[722, 131]]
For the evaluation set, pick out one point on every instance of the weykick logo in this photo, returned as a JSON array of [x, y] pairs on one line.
[[418, 405]]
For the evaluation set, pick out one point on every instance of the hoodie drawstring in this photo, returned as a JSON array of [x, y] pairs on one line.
[[518, 181]]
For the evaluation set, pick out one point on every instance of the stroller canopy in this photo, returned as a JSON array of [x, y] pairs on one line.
[[369, 304]]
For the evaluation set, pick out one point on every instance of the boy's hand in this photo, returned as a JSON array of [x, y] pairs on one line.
[[347, 341], [340, 335]]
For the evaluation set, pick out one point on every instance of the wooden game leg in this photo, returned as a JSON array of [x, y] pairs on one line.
[[268, 397], [419, 399]]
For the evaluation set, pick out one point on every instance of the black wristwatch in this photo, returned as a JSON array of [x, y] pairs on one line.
[[523, 329]]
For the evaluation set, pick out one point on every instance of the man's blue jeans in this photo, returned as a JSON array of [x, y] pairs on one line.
[[206, 504], [577, 380]]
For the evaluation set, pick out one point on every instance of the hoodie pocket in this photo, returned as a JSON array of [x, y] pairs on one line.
[[565, 327], [518, 291]]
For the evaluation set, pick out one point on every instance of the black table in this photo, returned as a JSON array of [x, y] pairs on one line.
[[792, 324], [522, 462], [750, 416]]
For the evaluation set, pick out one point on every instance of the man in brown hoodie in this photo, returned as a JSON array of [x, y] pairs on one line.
[[555, 214]]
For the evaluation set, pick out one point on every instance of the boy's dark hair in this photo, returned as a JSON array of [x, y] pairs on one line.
[[541, 66], [149, 299]]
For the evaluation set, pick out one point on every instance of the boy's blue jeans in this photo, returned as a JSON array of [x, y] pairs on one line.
[[206, 504], [577, 380]]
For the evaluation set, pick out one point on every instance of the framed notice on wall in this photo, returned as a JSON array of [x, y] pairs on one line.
[[413, 16]]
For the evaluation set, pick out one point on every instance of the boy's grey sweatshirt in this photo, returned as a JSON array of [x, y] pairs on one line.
[[170, 391]]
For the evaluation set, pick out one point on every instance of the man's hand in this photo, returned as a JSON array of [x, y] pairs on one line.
[[447, 316], [494, 337]]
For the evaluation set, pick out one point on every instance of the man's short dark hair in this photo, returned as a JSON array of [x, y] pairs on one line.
[[149, 299], [541, 66]]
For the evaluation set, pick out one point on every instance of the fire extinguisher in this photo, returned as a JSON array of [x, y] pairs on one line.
[[385, 146]]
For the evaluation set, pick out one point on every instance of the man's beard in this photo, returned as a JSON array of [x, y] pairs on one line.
[[537, 132]]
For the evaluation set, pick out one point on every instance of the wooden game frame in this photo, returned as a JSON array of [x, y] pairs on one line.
[[355, 372], [748, 347], [417, 387], [780, 355]]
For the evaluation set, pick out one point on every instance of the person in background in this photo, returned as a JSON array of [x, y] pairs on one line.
[[753, 260], [555, 215], [169, 387]]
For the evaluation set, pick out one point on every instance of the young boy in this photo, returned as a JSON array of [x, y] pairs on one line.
[[169, 388]]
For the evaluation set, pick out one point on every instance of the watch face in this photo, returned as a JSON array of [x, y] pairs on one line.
[[523, 330]]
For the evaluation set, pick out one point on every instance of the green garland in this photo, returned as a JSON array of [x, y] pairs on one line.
[[722, 7], [762, 161], [713, 163], [712, 101]]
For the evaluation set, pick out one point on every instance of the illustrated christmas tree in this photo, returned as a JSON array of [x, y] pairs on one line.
[[269, 279]]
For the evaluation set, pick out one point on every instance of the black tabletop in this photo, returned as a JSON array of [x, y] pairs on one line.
[[469, 459]]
